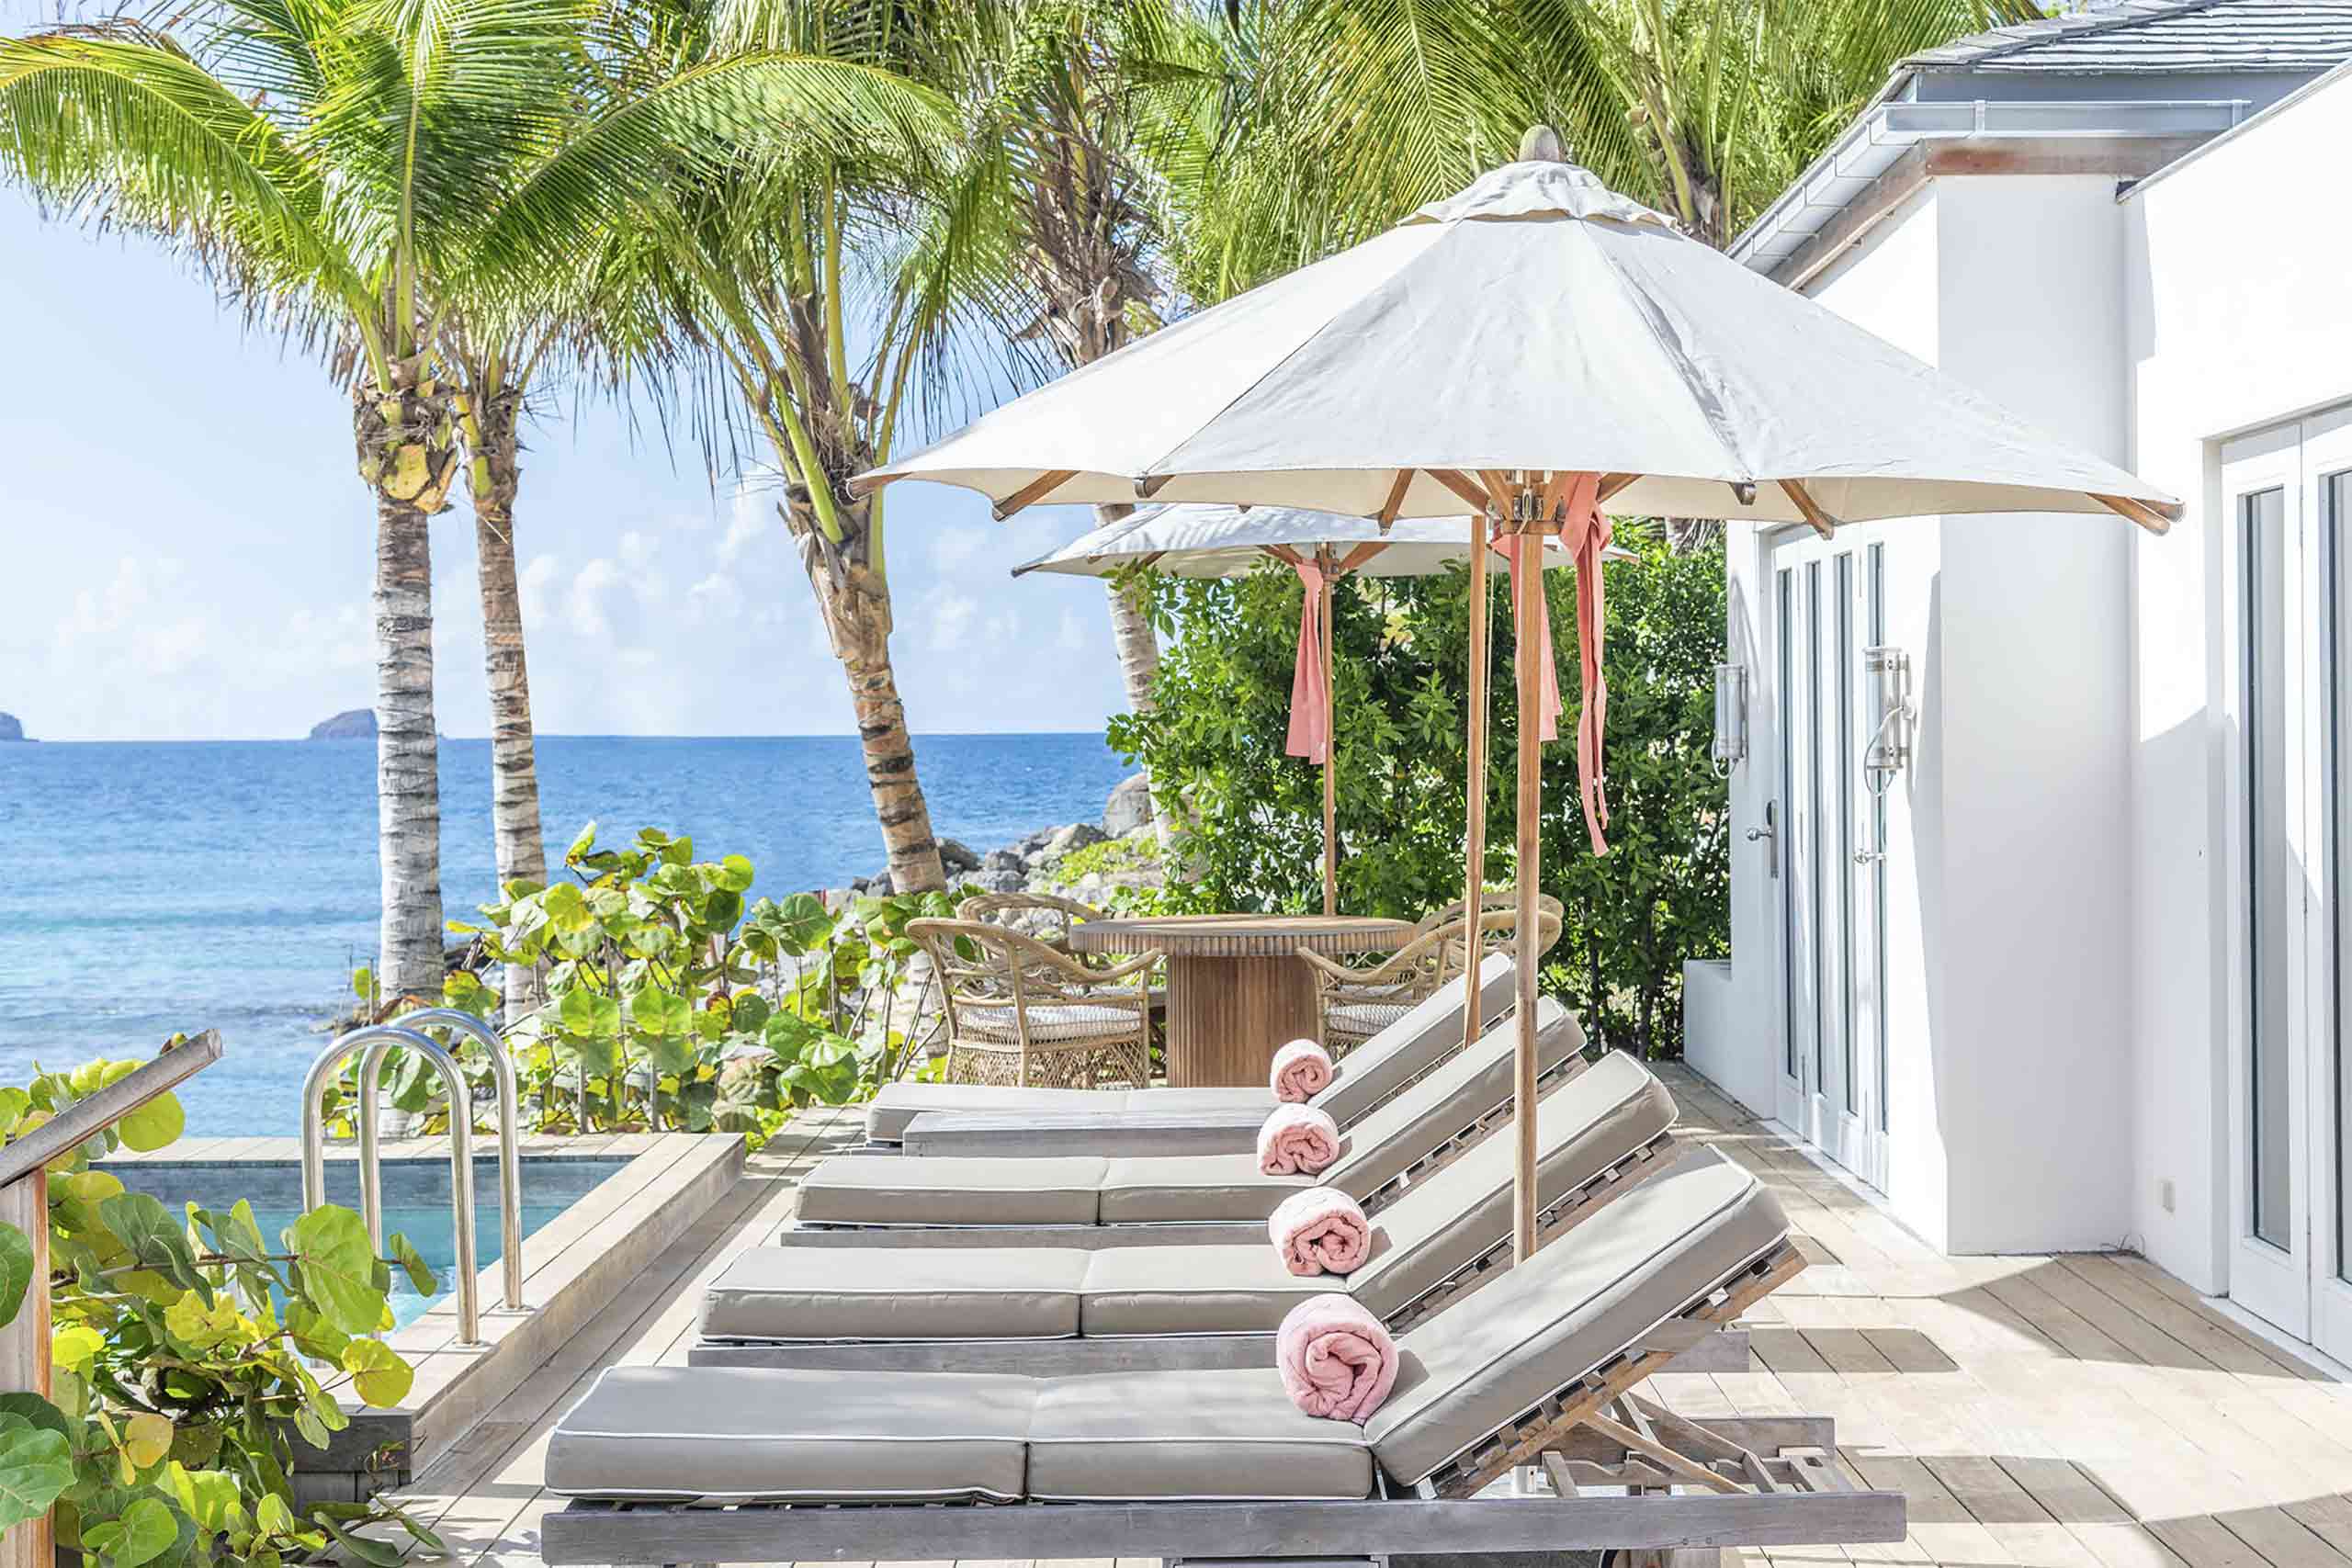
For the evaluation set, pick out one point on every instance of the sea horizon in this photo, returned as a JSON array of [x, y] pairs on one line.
[[169, 886]]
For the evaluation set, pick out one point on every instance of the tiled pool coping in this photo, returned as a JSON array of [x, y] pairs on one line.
[[572, 1266]]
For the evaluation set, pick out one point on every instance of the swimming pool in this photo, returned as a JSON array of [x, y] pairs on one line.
[[416, 1202]]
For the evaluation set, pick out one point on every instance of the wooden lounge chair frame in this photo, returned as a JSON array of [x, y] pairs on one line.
[[1162, 1233], [1725, 1352], [1768, 1481]]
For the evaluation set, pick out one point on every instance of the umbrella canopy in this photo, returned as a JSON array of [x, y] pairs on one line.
[[1543, 349], [1233, 541], [1541, 322]]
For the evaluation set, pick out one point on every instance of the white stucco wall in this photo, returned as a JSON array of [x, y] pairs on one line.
[[2008, 954], [2239, 317]]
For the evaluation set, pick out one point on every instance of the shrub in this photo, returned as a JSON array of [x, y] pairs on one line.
[[1214, 747], [182, 1346]]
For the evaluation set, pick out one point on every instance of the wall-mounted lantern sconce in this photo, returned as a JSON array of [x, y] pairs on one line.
[[1890, 748], [1730, 747]]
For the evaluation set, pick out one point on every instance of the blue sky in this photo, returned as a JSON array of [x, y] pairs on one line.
[[186, 551]]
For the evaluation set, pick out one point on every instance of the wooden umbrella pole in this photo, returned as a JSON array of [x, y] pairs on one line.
[[1330, 751], [1475, 841], [1527, 605]]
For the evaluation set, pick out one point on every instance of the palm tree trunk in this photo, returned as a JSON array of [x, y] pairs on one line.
[[856, 604], [514, 768], [1131, 631], [407, 456]]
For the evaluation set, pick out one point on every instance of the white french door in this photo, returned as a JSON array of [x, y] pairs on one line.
[[2287, 494], [1829, 829]]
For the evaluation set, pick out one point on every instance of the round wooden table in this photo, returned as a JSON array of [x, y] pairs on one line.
[[1236, 992]]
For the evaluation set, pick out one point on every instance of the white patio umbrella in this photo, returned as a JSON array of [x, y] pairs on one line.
[[1233, 541], [1540, 347]]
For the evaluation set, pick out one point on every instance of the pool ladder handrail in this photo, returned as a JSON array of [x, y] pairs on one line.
[[406, 1031]]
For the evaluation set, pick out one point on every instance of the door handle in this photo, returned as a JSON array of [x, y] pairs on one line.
[[1869, 857], [1768, 833]]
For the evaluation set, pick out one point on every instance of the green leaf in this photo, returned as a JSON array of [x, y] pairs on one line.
[[581, 845], [659, 1013], [337, 1268], [155, 1238], [735, 874], [16, 1271], [567, 909], [585, 1012], [382, 1377], [201, 1325], [155, 1124], [148, 1529], [272, 1517], [420, 1273], [375, 1553], [35, 1467]]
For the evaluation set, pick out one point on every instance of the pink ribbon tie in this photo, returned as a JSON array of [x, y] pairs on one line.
[[1310, 733], [1584, 535]]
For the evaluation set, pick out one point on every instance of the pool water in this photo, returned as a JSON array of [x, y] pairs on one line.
[[416, 1204]]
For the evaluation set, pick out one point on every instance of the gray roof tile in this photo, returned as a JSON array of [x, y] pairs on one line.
[[2161, 36]]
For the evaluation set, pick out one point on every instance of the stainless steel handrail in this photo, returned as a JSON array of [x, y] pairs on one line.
[[510, 1135], [373, 1041]]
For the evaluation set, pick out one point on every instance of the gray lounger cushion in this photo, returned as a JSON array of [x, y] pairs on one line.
[[1170, 1436], [1409, 1047], [1585, 1125], [855, 1189], [888, 1115], [1190, 1290], [676, 1433], [863, 1190], [1571, 1308], [897, 1292]]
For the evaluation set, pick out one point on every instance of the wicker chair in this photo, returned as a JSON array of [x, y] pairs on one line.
[[1023, 1013], [1040, 914], [1352, 1004]]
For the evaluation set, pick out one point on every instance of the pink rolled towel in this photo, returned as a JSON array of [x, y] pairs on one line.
[[1336, 1359], [1298, 1139], [1302, 1070], [1320, 1231]]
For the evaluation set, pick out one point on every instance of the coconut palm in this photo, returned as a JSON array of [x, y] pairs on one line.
[[366, 175], [1076, 111], [1353, 112], [785, 285]]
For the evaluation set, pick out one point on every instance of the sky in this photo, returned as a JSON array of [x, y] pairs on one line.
[[186, 551]]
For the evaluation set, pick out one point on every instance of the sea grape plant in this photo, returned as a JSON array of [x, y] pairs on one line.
[[676, 1002], [183, 1347]]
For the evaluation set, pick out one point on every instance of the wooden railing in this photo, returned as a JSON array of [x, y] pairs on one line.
[[24, 1203]]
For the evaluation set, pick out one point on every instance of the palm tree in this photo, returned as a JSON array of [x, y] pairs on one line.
[[1078, 108], [771, 273], [367, 174], [1353, 112]]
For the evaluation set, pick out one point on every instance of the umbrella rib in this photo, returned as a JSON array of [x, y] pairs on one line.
[[1809, 509], [2139, 512], [1461, 485], [1038, 489], [1389, 508]]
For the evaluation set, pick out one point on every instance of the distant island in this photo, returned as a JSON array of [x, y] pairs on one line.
[[10, 729], [357, 724]]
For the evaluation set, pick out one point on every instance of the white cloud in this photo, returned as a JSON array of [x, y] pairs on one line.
[[585, 606], [714, 599], [136, 618], [752, 514], [953, 545], [951, 617], [1072, 636], [533, 588]]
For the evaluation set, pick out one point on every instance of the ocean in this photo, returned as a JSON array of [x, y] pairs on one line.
[[159, 887]]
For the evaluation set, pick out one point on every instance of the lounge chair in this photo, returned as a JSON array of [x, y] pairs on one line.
[[1091, 1200], [1066, 1309], [707, 1465], [972, 1119]]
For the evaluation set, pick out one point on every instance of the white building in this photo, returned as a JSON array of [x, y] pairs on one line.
[[2071, 979]]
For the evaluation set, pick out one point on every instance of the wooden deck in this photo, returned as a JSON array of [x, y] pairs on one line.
[[2073, 1412]]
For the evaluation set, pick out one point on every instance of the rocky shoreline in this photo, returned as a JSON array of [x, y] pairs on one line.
[[1038, 863]]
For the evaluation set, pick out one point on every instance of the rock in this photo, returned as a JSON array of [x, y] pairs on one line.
[[354, 724], [1003, 860], [837, 898], [878, 884], [1142, 830], [1129, 806], [1077, 836], [954, 856], [999, 881], [9, 728]]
